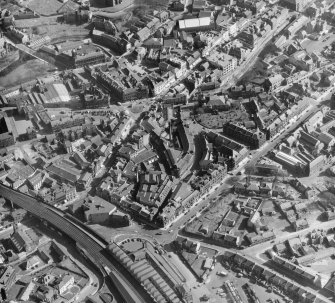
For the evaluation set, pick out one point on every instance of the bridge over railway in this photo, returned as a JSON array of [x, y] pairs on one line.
[[90, 243], [25, 49], [30, 52]]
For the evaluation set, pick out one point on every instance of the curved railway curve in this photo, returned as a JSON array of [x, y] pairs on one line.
[[93, 246]]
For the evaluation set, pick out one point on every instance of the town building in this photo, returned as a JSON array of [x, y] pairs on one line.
[[98, 210], [317, 165], [19, 174], [7, 277], [223, 61], [18, 35], [254, 140], [64, 172], [67, 122], [257, 239], [118, 44], [80, 160], [24, 240], [293, 164], [35, 181], [196, 24], [297, 5], [66, 282], [300, 224], [123, 85], [7, 137], [59, 194]]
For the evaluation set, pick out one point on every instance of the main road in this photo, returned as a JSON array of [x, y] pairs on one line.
[[90, 244]]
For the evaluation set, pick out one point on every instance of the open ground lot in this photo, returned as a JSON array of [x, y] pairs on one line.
[[27, 71], [325, 266], [44, 7], [215, 289], [319, 45], [257, 72]]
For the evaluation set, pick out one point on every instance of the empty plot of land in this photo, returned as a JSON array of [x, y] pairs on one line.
[[24, 72], [71, 292], [36, 22], [45, 7], [318, 45], [325, 266]]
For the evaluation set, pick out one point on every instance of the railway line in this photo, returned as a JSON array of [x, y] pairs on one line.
[[94, 246]]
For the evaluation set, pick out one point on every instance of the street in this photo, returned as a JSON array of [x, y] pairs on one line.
[[166, 236], [256, 250]]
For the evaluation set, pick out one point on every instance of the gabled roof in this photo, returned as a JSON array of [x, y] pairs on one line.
[[257, 269], [239, 259], [279, 281], [68, 6], [248, 264], [268, 274], [228, 254]]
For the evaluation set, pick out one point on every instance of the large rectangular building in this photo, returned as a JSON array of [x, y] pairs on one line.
[[67, 122], [64, 173], [99, 210], [89, 59], [297, 5], [196, 24], [317, 164], [117, 44], [223, 61], [7, 137], [7, 277], [123, 85], [228, 149], [247, 137]]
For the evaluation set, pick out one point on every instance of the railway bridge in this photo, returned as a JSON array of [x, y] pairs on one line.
[[90, 243], [26, 50]]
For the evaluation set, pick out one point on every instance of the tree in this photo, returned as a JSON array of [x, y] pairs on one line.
[[310, 12]]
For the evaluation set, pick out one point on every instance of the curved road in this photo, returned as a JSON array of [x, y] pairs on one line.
[[129, 289]]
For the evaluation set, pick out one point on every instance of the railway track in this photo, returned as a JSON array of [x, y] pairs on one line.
[[96, 248]]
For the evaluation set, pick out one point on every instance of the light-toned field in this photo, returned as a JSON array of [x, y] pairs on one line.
[[317, 46], [326, 266], [44, 7], [213, 287], [27, 71]]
